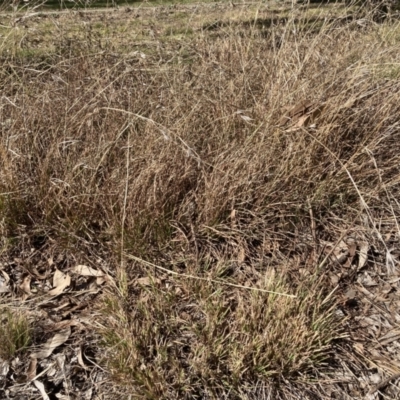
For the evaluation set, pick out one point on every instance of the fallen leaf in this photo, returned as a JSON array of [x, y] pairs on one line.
[[302, 114], [6, 276], [31, 373], [58, 278], [366, 280], [4, 368], [350, 102], [60, 282], [40, 387], [87, 271], [246, 118], [100, 280], [352, 246], [351, 294], [146, 281], [296, 112], [57, 340], [26, 287], [80, 359], [363, 254], [339, 253], [334, 278], [390, 263], [4, 288], [60, 358], [303, 121]]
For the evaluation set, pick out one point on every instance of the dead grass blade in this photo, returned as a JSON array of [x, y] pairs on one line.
[[205, 279]]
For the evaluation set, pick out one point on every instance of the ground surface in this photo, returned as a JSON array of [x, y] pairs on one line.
[[200, 201]]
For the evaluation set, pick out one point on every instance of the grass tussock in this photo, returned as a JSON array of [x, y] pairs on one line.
[[202, 339], [15, 334], [174, 152]]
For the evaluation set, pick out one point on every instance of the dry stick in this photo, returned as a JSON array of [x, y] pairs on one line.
[[149, 264]]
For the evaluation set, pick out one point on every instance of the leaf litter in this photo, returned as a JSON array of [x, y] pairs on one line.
[[63, 354], [60, 282], [365, 271], [57, 340]]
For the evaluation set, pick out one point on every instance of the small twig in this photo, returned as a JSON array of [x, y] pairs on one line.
[[206, 279]]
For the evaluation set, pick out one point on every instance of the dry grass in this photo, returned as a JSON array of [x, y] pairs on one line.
[[15, 333], [195, 339], [169, 149]]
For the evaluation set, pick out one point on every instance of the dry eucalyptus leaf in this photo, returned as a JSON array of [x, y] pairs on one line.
[[6, 276], [246, 118], [57, 340], [100, 280], [60, 282], [296, 112], [31, 373], [302, 115], [352, 246], [304, 120], [351, 294], [60, 358], [80, 359], [334, 278], [87, 271], [4, 288], [26, 286], [40, 387], [146, 281], [340, 253], [4, 368], [58, 278], [364, 247], [390, 263]]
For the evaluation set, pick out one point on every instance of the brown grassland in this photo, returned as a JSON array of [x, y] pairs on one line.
[[200, 202]]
